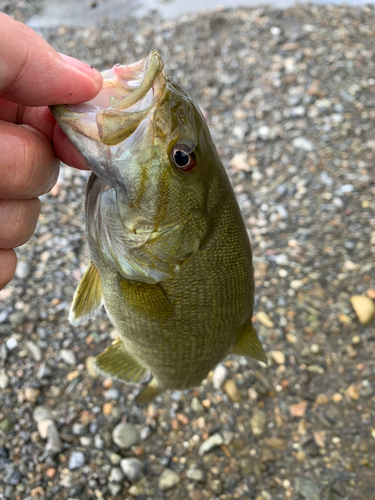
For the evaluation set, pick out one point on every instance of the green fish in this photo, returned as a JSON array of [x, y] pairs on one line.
[[170, 256]]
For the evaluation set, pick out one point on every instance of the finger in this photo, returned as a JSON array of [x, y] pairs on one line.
[[18, 220], [34, 74], [8, 263], [28, 165], [67, 151]]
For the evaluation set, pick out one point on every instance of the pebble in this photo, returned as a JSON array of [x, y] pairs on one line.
[[139, 488], [4, 380], [298, 409], [11, 343], [35, 351], [352, 392], [116, 475], [132, 468], [145, 433], [258, 423], [196, 405], [264, 319], [210, 443], [219, 376], [68, 357], [54, 444], [296, 284], [76, 460], [125, 435], [43, 427], [12, 475], [239, 162], [232, 391], [22, 270], [303, 143], [278, 357], [168, 479], [307, 489], [196, 474], [364, 308], [42, 413]]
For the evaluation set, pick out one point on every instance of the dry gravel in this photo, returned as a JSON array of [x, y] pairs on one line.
[[290, 98]]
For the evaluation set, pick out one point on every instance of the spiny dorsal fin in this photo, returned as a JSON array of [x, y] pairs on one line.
[[88, 298], [117, 363], [249, 345], [149, 393]]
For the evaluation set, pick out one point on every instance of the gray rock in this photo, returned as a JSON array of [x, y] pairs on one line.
[[196, 405], [116, 475], [145, 433], [168, 479], [85, 440], [99, 442], [22, 270], [210, 443], [132, 468], [196, 474], [17, 318], [76, 460], [78, 429], [12, 475], [112, 393], [42, 413], [307, 489], [54, 444], [125, 435], [68, 356], [4, 379], [34, 350]]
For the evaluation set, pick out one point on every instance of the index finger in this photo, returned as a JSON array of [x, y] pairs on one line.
[[34, 74]]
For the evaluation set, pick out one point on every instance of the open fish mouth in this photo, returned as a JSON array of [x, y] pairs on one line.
[[129, 94]]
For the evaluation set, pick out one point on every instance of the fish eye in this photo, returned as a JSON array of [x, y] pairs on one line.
[[183, 157]]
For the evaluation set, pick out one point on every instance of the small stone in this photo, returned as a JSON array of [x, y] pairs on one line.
[[107, 409], [216, 486], [90, 367], [322, 399], [85, 440], [239, 162], [34, 350], [299, 409], [356, 339], [17, 318], [51, 472], [76, 460], [364, 308], [115, 458], [337, 397], [132, 468], [99, 442], [116, 475], [22, 270], [210, 443], [303, 144], [301, 455], [296, 284], [233, 392], [54, 444], [196, 474], [196, 494], [42, 413], [12, 476], [11, 344], [32, 394], [315, 348], [219, 376], [125, 435], [278, 357], [352, 392], [139, 488], [307, 489], [43, 427], [264, 319], [6, 425], [72, 375], [258, 423], [4, 380], [145, 433], [168, 479], [68, 356]]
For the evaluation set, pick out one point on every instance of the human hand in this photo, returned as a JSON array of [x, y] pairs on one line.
[[32, 76]]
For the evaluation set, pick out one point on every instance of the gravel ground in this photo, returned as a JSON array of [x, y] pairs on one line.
[[290, 99]]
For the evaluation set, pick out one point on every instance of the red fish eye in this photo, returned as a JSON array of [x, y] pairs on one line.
[[183, 158]]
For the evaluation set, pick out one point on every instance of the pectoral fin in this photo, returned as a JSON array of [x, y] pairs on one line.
[[116, 362], [249, 345], [148, 299], [88, 298], [149, 393]]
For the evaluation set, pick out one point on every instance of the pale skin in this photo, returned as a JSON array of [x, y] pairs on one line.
[[32, 77]]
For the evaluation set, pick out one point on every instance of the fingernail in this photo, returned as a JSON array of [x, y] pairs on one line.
[[83, 67]]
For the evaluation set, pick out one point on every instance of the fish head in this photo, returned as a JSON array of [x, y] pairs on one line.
[[148, 143]]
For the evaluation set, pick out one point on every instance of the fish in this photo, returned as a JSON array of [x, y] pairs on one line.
[[170, 257]]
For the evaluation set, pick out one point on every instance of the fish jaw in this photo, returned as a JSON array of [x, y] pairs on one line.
[[118, 118]]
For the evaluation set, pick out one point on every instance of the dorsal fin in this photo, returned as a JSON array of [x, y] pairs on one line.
[[249, 345], [88, 298], [117, 363]]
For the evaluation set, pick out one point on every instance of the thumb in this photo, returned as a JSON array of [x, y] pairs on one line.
[[34, 74]]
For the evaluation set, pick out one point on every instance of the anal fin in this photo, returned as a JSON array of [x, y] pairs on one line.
[[149, 393], [88, 298], [116, 362], [249, 345]]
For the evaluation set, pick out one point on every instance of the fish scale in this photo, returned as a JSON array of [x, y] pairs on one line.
[[170, 255]]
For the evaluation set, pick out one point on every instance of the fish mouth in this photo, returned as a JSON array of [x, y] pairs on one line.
[[128, 95]]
